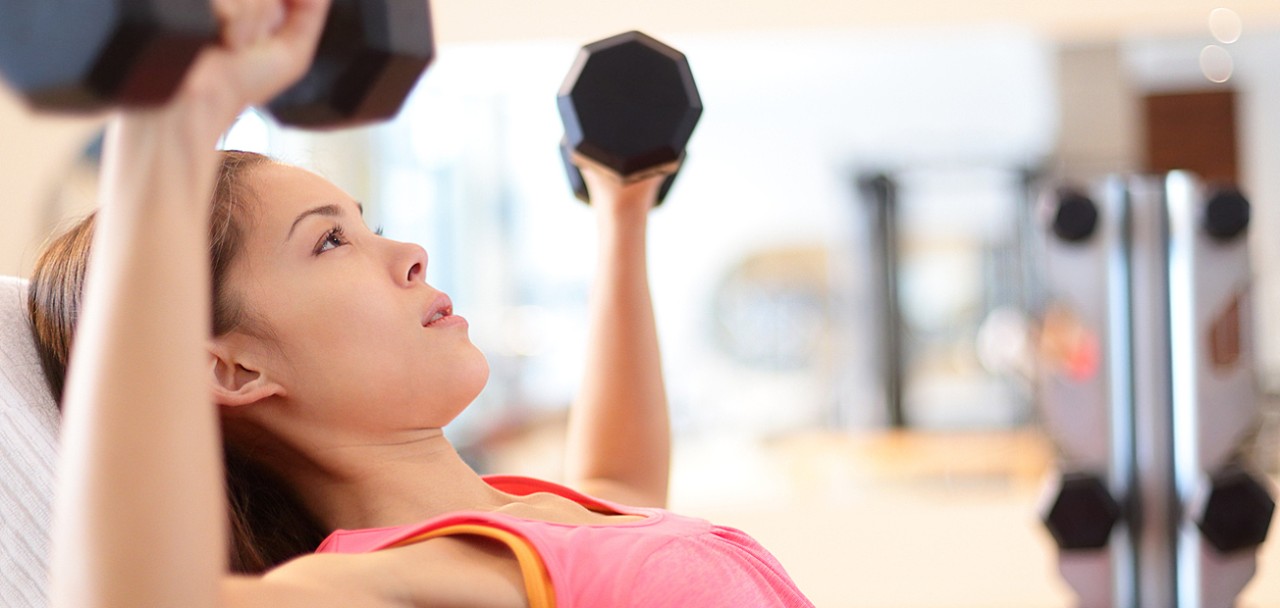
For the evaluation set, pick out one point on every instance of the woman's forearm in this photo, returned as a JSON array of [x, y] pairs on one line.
[[619, 426], [140, 513]]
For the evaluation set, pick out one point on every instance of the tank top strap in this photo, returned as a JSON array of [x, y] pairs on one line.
[[537, 581], [523, 486]]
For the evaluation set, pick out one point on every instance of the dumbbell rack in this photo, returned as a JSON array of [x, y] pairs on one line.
[[1149, 393]]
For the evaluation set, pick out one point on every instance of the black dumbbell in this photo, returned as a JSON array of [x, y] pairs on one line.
[[87, 55], [1081, 512], [629, 106], [1232, 509], [84, 55], [371, 54], [1226, 214], [1073, 216]]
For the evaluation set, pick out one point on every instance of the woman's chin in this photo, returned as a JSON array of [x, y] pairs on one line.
[[480, 376], [469, 382]]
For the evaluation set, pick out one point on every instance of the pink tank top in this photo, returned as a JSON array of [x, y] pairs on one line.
[[662, 560]]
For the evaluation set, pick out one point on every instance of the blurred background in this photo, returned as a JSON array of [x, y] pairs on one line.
[[878, 480]]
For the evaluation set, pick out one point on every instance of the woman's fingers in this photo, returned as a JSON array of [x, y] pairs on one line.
[[294, 37], [231, 16], [271, 43], [267, 45], [268, 17], [303, 20], [246, 23]]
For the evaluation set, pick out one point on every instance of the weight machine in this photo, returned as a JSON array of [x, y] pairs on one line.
[[1147, 386]]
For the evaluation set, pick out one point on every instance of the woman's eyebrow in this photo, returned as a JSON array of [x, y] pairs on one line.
[[330, 210]]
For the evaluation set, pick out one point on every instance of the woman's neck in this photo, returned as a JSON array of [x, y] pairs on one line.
[[411, 479]]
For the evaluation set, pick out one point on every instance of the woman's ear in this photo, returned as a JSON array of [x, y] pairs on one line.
[[236, 380]]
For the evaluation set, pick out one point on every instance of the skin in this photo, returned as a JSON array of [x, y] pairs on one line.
[[345, 395]]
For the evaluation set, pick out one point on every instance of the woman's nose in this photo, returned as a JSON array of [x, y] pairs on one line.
[[414, 257]]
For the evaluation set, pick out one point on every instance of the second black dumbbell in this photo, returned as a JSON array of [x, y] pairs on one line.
[[629, 106]]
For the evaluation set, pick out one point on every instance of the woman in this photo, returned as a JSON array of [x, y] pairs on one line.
[[333, 366]]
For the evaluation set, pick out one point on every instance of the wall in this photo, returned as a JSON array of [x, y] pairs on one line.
[[1100, 120], [35, 153], [469, 20], [1171, 64]]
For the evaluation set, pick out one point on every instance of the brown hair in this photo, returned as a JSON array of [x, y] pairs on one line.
[[268, 523]]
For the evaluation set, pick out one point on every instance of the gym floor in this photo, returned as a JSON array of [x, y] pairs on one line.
[[881, 519]]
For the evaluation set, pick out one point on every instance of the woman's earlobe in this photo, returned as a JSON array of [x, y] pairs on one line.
[[234, 384]]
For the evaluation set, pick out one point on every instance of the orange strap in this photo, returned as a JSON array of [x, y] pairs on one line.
[[537, 583]]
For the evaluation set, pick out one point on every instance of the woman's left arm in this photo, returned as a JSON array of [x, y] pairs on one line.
[[619, 445]]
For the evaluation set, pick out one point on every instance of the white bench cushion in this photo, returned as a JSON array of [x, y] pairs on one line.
[[28, 442]]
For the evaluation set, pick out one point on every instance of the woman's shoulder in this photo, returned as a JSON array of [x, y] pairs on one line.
[[452, 571]]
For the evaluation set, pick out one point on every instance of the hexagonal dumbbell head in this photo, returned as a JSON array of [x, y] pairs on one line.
[[629, 104], [1073, 216], [371, 55], [1226, 214], [1233, 510], [579, 186], [1081, 512], [85, 55]]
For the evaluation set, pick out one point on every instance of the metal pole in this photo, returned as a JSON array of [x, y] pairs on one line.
[[881, 191], [1152, 505]]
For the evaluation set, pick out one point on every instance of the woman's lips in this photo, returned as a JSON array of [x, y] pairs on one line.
[[441, 313], [446, 321]]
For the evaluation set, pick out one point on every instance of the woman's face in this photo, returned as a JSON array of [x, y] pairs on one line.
[[355, 334]]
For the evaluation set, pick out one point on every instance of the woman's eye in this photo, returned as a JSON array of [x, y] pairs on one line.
[[332, 240]]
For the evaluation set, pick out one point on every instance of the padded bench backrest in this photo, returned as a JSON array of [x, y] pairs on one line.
[[28, 443]]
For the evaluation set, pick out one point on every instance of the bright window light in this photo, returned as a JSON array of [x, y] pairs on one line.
[[250, 133]]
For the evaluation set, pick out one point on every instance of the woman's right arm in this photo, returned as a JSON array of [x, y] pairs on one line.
[[140, 514], [140, 511]]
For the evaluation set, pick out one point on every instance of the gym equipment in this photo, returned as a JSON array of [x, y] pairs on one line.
[[28, 453], [1150, 392], [629, 105], [88, 55], [371, 54], [1232, 510], [84, 55], [1081, 513]]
